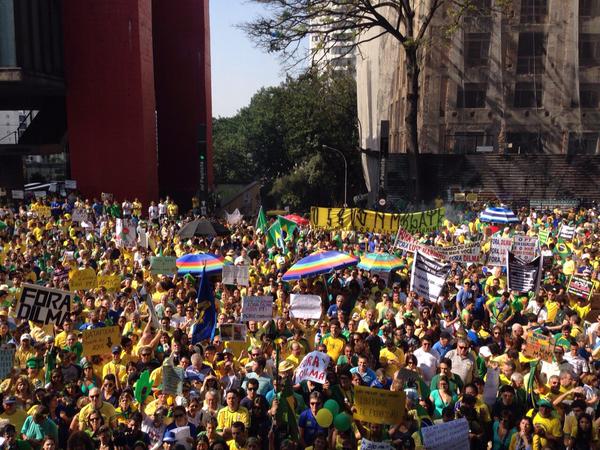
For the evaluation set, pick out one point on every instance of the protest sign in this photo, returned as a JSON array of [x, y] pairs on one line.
[[538, 346], [79, 215], [7, 356], [543, 236], [453, 435], [82, 279], [459, 197], [125, 233], [523, 276], [379, 405], [490, 388], [172, 379], [525, 247], [234, 218], [232, 332], [499, 247], [428, 276], [44, 305], [406, 242], [257, 308], [39, 194], [580, 287], [152, 311], [305, 306], [313, 367], [234, 275], [464, 253], [70, 184], [18, 195], [143, 238], [472, 197], [100, 341], [112, 283], [182, 437], [363, 220], [160, 265], [366, 444], [566, 232]]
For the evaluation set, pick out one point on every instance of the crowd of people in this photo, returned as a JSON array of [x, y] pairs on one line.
[[243, 395]]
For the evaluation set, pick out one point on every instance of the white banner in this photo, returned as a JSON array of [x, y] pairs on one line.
[[464, 253], [428, 276], [44, 305], [498, 249], [523, 276], [405, 241], [235, 275], [234, 218], [366, 444], [453, 435], [566, 232], [525, 247], [70, 184], [313, 368], [305, 306], [258, 308]]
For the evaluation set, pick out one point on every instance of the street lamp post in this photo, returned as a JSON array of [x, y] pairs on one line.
[[345, 171]]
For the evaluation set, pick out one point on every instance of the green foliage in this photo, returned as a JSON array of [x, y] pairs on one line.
[[277, 139]]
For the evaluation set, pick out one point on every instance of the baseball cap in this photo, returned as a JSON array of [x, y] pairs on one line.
[[546, 403], [169, 437], [26, 336], [116, 349], [11, 399]]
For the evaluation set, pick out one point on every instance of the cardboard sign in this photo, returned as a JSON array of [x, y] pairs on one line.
[[70, 184], [498, 249], [453, 435], [525, 247], [580, 287], [79, 215], [234, 275], [464, 254], [543, 236], [538, 346], [100, 341], [459, 197], [44, 305], [567, 232], [257, 308], [172, 379], [126, 235], [18, 195], [160, 265], [232, 332], [472, 197], [428, 276], [112, 283], [379, 405], [7, 356], [305, 306], [313, 367], [406, 242], [82, 279]]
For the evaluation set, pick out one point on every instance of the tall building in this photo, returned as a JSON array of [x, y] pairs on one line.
[[122, 88], [522, 80]]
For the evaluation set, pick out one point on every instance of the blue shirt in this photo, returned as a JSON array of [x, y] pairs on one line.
[[264, 383], [308, 422], [368, 377], [442, 350]]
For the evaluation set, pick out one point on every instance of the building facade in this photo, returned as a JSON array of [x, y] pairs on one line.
[[525, 79]]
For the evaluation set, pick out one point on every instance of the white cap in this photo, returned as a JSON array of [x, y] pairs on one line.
[[485, 352], [26, 336]]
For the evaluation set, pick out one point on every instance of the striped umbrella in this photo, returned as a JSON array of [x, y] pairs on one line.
[[318, 263], [498, 215], [194, 262], [383, 262]]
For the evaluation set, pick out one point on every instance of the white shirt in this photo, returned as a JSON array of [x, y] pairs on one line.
[[162, 209], [427, 362], [153, 212]]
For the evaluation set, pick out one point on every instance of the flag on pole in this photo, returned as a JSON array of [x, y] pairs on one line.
[[287, 227], [261, 221], [204, 327], [275, 236]]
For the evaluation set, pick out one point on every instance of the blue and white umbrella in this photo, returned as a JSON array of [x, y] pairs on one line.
[[498, 215]]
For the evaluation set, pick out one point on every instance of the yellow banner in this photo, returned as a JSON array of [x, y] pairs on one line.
[[82, 279], [379, 405], [100, 341], [112, 283], [364, 220]]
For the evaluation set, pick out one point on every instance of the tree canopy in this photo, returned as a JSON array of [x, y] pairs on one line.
[[277, 139]]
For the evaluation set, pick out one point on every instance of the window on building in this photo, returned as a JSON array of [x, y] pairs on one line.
[[468, 142], [472, 95], [525, 142], [477, 47], [530, 55], [589, 95], [589, 49], [481, 7], [583, 143], [534, 11], [528, 95], [589, 8]]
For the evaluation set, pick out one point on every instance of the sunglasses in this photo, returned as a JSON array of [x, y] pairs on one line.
[[252, 389], [95, 396], [145, 354]]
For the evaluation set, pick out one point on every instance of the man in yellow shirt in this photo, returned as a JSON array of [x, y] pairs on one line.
[[335, 342], [96, 404], [391, 358], [547, 426], [15, 416], [115, 367], [231, 413]]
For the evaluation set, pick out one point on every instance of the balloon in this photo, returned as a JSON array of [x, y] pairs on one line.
[[342, 422], [324, 418], [332, 406]]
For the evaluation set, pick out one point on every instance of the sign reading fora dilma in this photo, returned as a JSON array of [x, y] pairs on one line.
[[44, 305]]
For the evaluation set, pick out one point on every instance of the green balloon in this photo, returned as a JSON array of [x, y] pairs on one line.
[[342, 422], [332, 406]]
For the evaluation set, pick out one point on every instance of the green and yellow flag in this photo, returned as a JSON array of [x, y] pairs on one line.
[[275, 236], [563, 249], [288, 227], [261, 222]]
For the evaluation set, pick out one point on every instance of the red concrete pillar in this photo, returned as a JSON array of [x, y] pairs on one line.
[[110, 97], [183, 95]]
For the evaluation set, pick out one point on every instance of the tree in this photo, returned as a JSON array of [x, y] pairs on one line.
[[278, 140], [336, 22]]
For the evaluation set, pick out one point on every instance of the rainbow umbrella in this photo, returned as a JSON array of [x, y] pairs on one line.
[[383, 262], [194, 262], [318, 263]]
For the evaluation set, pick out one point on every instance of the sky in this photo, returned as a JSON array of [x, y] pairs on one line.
[[239, 69]]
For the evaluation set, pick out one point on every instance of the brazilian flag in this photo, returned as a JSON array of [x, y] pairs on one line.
[[261, 221], [563, 249], [287, 227], [275, 236]]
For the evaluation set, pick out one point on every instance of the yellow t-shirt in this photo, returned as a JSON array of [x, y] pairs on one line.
[[394, 359], [551, 425], [335, 346], [226, 417]]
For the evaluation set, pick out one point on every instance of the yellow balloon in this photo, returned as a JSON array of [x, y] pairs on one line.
[[324, 418]]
